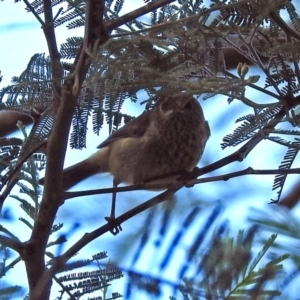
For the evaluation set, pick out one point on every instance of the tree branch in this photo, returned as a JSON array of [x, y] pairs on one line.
[[7, 191], [88, 237], [64, 106], [57, 71], [59, 262], [247, 171], [148, 186], [20, 162], [12, 243], [242, 153], [9, 119], [181, 182], [10, 266], [33, 12]]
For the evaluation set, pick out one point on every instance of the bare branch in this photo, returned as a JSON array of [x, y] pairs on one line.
[[242, 153], [60, 261], [9, 119], [65, 102], [10, 266], [182, 183], [7, 191], [247, 171], [20, 163], [12, 243], [50, 36], [33, 12]]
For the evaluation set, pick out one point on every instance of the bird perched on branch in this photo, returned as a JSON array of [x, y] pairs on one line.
[[170, 138]]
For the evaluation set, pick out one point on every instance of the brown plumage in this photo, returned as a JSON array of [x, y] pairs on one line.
[[169, 138]]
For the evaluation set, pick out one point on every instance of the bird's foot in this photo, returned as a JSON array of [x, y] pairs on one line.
[[114, 225]]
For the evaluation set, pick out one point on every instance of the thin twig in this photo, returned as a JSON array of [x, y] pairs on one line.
[[247, 171], [21, 162], [33, 12], [60, 261], [7, 191], [10, 266], [258, 88], [183, 182], [88, 237], [56, 67]]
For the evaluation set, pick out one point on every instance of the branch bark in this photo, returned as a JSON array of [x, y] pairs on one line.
[[64, 100], [59, 262], [181, 182]]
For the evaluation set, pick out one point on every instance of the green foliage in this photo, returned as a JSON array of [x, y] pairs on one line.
[[250, 126], [214, 265], [287, 225], [170, 55], [76, 284], [83, 283], [7, 293], [287, 162], [221, 279]]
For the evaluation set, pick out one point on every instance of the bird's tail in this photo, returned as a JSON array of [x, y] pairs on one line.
[[74, 174], [97, 163]]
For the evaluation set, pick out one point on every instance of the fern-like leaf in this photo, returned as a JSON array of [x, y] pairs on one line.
[[286, 164]]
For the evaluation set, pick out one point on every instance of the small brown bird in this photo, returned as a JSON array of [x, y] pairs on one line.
[[170, 138]]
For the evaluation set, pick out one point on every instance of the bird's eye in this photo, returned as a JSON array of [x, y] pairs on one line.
[[188, 105]]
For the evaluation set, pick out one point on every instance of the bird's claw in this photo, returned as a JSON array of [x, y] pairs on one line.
[[114, 225]]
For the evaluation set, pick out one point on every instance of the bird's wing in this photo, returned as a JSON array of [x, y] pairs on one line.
[[135, 128]]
